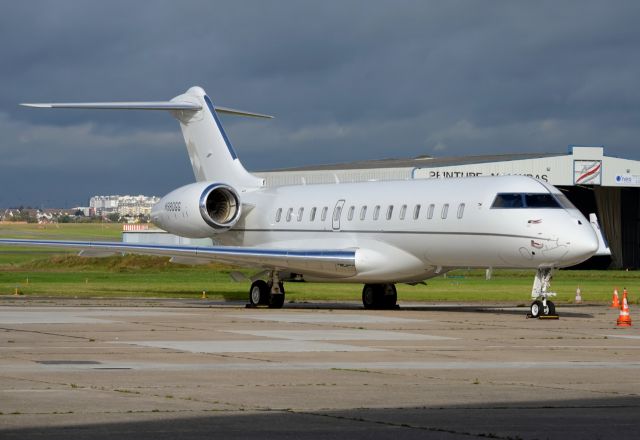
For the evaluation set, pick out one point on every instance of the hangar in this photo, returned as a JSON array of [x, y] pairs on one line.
[[595, 183]]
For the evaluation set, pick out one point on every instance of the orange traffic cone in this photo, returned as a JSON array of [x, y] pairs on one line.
[[624, 320], [615, 302]]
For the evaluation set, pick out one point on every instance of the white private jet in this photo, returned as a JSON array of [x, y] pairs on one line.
[[375, 233]]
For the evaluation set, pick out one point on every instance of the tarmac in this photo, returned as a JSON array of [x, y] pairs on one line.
[[155, 369]]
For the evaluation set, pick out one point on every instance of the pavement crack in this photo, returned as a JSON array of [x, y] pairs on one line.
[[84, 338], [400, 425]]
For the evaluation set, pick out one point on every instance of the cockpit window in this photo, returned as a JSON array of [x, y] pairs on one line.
[[527, 200], [541, 201], [564, 201], [508, 201]]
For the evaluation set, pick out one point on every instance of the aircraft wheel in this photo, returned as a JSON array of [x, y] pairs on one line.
[[259, 293], [372, 296], [536, 309], [276, 300], [390, 297], [549, 310]]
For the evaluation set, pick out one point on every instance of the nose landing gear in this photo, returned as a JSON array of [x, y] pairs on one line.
[[542, 307]]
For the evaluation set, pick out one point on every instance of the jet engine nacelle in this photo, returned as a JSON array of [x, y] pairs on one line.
[[198, 210]]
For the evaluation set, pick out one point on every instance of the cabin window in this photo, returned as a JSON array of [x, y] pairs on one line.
[[363, 212], [416, 212], [300, 213], [389, 212], [445, 210], [460, 210], [432, 207], [352, 209], [376, 212], [312, 215], [403, 211], [323, 215], [289, 213], [278, 215]]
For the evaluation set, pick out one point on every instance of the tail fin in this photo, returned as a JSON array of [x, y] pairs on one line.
[[210, 151]]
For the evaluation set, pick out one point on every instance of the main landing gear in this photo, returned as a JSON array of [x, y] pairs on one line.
[[271, 293], [542, 307], [379, 296], [267, 293]]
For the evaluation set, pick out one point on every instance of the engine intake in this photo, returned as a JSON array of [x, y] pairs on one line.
[[220, 206]]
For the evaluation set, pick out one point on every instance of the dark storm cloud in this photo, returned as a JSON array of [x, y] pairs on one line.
[[346, 80]]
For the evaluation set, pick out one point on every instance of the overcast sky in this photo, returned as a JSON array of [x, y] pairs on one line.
[[345, 80]]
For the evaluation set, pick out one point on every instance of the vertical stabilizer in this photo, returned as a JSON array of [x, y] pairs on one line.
[[210, 151]]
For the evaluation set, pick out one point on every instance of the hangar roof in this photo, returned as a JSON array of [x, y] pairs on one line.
[[419, 162], [581, 165]]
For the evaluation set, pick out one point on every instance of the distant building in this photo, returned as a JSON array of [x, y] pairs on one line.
[[49, 215], [126, 206], [86, 211]]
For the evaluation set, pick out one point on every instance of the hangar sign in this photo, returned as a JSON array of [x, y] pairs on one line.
[[587, 172]]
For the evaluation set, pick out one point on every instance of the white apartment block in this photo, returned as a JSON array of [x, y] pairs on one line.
[[123, 205]]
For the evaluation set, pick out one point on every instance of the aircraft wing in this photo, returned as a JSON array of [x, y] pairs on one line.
[[327, 262]]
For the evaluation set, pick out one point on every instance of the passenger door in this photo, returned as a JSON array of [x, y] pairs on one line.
[[337, 213]]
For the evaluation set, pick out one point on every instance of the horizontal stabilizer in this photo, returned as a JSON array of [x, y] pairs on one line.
[[232, 111], [159, 105], [152, 105]]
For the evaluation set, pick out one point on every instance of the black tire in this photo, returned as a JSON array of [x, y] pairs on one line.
[[536, 309], [276, 301], [259, 293], [371, 296], [390, 296], [550, 310]]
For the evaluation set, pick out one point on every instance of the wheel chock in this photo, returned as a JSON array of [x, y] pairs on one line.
[[529, 315]]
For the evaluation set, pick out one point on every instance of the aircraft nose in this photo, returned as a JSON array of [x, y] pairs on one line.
[[584, 243]]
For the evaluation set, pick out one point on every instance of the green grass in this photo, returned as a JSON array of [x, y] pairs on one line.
[[43, 272], [62, 231]]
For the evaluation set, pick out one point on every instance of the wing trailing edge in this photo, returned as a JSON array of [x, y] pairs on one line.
[[338, 263]]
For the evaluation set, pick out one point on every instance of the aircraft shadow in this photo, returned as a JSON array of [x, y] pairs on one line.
[[497, 309], [567, 419]]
